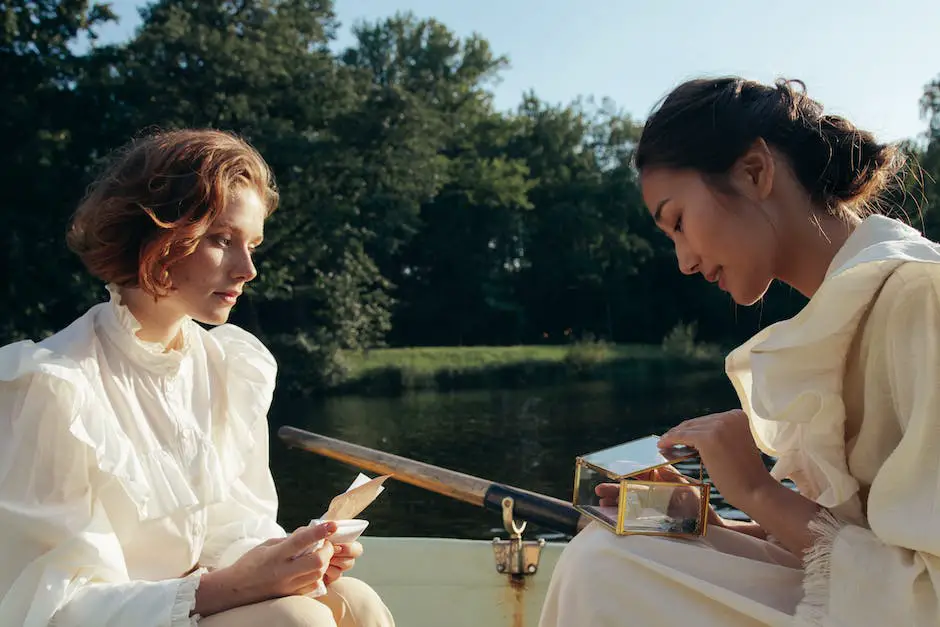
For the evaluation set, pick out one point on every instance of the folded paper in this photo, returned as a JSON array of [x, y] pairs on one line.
[[343, 510]]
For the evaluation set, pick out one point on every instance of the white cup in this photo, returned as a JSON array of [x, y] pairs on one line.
[[346, 530]]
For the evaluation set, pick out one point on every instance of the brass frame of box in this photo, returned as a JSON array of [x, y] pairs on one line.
[[705, 496]]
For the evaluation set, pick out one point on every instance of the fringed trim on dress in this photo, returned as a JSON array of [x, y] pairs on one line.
[[814, 608]]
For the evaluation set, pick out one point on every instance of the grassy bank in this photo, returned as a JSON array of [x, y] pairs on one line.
[[395, 370]]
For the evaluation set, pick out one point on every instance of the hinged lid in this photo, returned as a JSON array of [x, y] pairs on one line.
[[636, 457]]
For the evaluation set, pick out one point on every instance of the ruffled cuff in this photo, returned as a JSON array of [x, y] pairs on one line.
[[814, 608], [182, 613]]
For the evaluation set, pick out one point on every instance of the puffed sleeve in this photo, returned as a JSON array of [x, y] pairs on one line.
[[61, 562], [890, 574], [249, 516]]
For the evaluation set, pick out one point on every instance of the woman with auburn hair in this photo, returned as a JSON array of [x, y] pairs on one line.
[[753, 183], [134, 479]]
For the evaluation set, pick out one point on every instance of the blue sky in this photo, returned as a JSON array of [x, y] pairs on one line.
[[866, 59]]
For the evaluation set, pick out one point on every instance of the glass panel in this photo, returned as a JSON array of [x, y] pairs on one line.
[[636, 456], [662, 508], [586, 497]]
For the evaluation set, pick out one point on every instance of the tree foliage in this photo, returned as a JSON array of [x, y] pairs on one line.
[[413, 212]]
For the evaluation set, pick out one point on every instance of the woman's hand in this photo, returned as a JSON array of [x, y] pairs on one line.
[[269, 571], [344, 558], [734, 464], [729, 454]]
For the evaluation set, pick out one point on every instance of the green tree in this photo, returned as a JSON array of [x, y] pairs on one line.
[[457, 193], [584, 236], [263, 68], [923, 199], [42, 164]]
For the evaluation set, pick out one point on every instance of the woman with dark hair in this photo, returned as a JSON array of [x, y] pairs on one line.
[[753, 183], [134, 479]]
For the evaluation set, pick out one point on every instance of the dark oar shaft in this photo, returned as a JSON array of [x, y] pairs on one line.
[[538, 508]]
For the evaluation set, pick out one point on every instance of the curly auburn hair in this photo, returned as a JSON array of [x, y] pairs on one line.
[[157, 198]]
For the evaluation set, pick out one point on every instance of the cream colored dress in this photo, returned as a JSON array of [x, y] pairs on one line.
[[846, 395], [124, 467]]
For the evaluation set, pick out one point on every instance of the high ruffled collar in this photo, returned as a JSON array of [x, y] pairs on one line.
[[121, 327], [873, 231], [789, 376]]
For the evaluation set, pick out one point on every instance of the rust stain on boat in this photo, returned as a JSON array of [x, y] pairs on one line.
[[516, 591]]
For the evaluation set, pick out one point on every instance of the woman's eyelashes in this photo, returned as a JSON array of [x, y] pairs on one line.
[[223, 241], [226, 241]]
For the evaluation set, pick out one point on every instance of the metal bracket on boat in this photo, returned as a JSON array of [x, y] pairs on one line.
[[515, 556]]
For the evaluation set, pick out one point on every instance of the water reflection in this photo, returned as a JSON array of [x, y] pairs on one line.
[[527, 438]]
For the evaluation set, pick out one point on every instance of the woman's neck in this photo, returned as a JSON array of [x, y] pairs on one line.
[[159, 322], [809, 250]]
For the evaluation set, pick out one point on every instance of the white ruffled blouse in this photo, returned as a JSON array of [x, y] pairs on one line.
[[846, 395], [126, 470]]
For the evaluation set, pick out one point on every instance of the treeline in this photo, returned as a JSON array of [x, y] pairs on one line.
[[413, 212]]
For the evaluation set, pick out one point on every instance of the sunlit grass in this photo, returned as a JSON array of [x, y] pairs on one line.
[[428, 360], [393, 370]]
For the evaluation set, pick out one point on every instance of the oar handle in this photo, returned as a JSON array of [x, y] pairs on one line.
[[540, 509]]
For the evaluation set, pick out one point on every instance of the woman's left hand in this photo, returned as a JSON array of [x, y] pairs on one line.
[[344, 558], [728, 452]]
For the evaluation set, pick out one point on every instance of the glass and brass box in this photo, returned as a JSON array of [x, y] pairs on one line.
[[645, 503]]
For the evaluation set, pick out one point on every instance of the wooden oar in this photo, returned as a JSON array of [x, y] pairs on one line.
[[539, 509]]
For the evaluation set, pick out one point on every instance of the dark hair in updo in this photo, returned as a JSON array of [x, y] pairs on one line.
[[708, 124]]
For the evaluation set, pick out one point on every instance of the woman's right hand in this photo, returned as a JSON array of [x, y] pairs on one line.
[[268, 571]]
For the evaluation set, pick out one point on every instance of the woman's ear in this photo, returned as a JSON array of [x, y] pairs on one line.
[[753, 172]]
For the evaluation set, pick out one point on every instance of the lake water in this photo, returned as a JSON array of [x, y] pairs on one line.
[[527, 438]]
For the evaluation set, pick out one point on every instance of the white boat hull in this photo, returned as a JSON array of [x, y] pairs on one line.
[[429, 582]]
